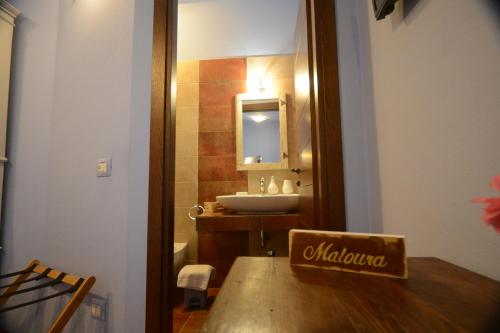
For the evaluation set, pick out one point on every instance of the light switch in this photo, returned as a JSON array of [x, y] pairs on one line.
[[103, 168]]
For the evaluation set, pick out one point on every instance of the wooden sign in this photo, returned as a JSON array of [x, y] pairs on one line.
[[374, 254]]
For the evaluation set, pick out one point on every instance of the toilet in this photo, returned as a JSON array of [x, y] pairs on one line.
[[180, 256]]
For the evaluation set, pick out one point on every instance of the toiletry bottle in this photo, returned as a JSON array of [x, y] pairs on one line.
[[272, 188], [287, 187]]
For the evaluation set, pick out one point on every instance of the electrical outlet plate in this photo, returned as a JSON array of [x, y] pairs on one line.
[[98, 308], [103, 167]]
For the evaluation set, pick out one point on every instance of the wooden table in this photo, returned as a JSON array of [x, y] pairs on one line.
[[268, 295]]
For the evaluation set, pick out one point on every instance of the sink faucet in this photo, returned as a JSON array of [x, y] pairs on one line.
[[262, 185]]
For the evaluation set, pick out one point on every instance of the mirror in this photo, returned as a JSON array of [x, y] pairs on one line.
[[261, 137]]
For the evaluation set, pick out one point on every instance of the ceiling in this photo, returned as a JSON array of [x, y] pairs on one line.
[[209, 29], [185, 1]]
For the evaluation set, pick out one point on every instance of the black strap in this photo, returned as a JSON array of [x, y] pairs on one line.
[[24, 271], [68, 290], [40, 286], [35, 278]]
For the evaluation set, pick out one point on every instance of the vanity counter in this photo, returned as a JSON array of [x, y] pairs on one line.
[[222, 237], [222, 221]]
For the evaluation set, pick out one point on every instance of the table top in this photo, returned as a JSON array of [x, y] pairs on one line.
[[269, 295]]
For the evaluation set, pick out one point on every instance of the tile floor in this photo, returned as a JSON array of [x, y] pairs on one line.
[[191, 321]]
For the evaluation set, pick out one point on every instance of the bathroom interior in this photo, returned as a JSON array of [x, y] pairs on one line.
[[242, 135], [237, 120], [87, 167], [207, 164]]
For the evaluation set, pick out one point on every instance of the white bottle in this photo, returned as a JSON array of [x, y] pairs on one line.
[[272, 188], [287, 187]]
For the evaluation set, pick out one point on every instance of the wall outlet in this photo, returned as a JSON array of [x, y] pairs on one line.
[[103, 167], [98, 308]]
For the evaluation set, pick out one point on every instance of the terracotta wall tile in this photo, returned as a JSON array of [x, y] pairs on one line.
[[186, 144], [188, 71], [186, 194], [183, 224], [216, 143], [274, 67], [186, 169], [219, 168], [186, 120], [220, 81], [189, 111], [188, 95], [217, 118], [186, 173], [218, 70], [220, 94], [207, 191]]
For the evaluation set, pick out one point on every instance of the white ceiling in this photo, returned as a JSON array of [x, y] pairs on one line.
[[209, 29], [186, 1]]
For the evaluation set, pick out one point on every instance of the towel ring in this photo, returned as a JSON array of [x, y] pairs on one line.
[[199, 211]]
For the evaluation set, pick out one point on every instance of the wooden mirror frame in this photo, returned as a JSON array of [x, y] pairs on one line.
[[257, 101]]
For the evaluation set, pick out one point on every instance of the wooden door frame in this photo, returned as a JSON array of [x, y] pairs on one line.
[[326, 131], [326, 143], [160, 284]]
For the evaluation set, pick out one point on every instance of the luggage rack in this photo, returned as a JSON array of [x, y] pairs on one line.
[[35, 271]]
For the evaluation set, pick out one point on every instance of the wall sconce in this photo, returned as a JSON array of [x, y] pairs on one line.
[[258, 82], [261, 88]]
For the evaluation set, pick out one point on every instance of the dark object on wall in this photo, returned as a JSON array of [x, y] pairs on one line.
[[382, 8]]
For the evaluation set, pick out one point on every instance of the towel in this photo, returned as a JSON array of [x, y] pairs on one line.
[[195, 277]]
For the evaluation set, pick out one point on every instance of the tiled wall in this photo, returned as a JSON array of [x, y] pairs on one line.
[[186, 159], [205, 147], [220, 81]]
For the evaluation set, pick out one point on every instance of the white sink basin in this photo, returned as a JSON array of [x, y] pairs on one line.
[[259, 204]]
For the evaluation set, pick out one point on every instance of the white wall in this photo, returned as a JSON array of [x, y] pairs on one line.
[[436, 73], [362, 190], [235, 28], [32, 79], [92, 64]]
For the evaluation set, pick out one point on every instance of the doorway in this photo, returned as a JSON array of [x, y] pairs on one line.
[[318, 158]]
